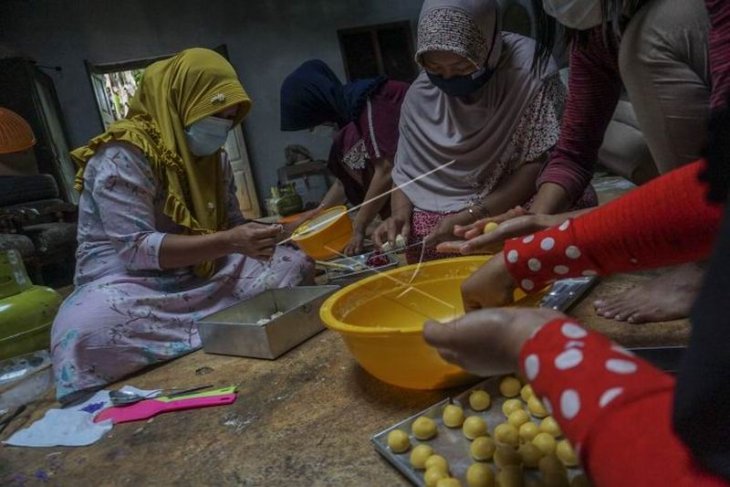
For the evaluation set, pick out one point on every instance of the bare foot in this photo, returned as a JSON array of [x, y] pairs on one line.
[[664, 298]]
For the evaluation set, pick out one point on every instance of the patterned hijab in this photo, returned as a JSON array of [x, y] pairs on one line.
[[475, 131], [173, 94]]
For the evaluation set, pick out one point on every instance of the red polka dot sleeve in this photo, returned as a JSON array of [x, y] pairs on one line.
[[614, 407], [665, 222]]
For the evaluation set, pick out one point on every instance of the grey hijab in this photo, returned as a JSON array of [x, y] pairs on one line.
[[475, 131]]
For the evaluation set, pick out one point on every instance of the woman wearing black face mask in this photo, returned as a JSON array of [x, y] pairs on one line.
[[477, 103]]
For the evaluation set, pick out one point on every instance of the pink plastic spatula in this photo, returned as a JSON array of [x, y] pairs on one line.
[[152, 407]]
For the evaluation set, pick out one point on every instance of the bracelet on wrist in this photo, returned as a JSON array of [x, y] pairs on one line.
[[478, 211]]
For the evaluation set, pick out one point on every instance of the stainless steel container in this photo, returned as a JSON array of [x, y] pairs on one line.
[[248, 329]]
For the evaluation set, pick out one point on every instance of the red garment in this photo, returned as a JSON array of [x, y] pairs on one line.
[[595, 87], [614, 408], [719, 41], [665, 222]]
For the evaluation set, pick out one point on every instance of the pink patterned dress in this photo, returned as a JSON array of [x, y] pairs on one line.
[[125, 312]]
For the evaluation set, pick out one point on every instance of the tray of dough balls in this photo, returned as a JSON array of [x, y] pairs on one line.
[[496, 434]]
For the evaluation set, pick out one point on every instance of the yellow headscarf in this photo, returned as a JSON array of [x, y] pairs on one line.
[[173, 94]]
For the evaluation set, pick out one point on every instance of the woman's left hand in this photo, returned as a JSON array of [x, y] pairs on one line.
[[487, 342], [489, 286], [444, 230]]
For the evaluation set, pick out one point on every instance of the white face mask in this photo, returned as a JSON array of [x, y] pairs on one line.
[[206, 136], [324, 130], [576, 14]]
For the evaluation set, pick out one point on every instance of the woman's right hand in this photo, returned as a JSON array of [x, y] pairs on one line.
[[487, 342], [253, 239], [390, 229], [478, 242]]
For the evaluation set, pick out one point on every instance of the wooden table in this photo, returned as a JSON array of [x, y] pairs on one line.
[[303, 420]]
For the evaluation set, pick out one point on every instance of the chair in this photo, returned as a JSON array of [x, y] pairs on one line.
[[39, 225]]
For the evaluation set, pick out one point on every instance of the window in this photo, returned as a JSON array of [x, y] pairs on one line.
[[375, 50]]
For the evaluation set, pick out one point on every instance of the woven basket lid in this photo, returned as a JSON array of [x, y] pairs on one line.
[[15, 133]]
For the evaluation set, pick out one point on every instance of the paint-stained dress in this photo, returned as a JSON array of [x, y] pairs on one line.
[[125, 312]]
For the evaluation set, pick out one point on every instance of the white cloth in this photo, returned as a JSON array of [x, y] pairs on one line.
[[72, 426]]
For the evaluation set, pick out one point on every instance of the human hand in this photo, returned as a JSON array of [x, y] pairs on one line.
[[253, 239], [479, 242], [487, 342], [354, 246], [489, 286], [444, 230], [475, 229], [387, 231]]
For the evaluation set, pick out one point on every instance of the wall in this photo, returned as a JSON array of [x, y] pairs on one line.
[[266, 40]]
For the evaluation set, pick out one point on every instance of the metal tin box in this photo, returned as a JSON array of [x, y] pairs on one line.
[[254, 328]]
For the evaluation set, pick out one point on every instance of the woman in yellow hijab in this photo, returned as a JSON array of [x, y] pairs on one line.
[[162, 241]]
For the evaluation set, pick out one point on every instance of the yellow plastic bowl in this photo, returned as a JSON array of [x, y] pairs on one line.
[[381, 320], [326, 235]]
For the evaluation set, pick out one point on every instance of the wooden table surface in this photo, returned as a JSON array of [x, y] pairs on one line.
[[303, 420]]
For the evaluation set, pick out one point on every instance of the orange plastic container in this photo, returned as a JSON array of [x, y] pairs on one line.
[[381, 320], [326, 235]]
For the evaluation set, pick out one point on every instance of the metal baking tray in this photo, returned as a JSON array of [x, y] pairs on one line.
[[564, 294], [451, 442], [360, 268], [247, 328]]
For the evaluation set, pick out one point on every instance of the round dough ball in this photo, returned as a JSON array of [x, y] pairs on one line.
[[536, 407], [507, 434], [511, 405], [566, 454], [480, 400], [530, 454], [482, 448], [545, 442], [518, 418], [526, 392], [551, 464], [433, 475], [424, 428], [437, 462], [419, 455], [510, 386], [580, 481], [549, 425], [398, 441], [510, 476], [453, 416], [479, 475], [490, 227], [506, 455], [555, 479], [528, 431], [474, 426], [448, 482]]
